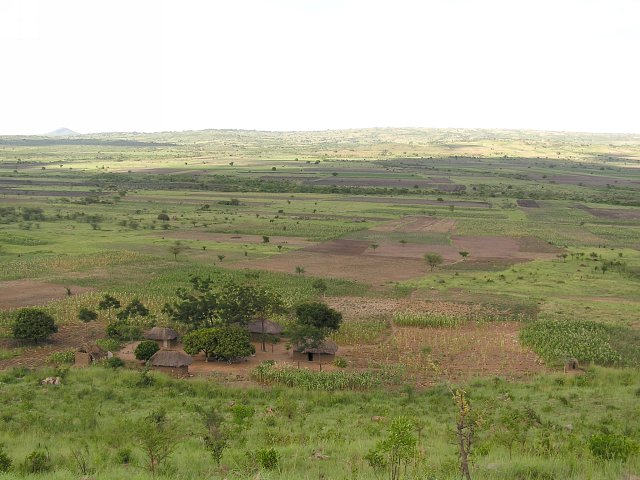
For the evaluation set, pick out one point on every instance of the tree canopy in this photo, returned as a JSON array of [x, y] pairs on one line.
[[223, 343], [33, 324], [224, 303]]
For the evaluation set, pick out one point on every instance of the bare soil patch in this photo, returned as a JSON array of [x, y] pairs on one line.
[[528, 203], [27, 293], [340, 247]]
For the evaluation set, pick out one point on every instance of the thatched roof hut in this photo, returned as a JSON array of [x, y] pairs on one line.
[[327, 347], [325, 352], [171, 361], [170, 358], [165, 336], [270, 328]]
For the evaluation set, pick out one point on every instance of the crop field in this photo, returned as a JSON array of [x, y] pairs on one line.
[[537, 244]]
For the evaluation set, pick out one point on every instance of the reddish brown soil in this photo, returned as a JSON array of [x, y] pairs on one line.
[[589, 180], [369, 182], [340, 247], [26, 293]]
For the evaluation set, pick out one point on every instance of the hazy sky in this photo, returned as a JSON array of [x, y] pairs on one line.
[[134, 65]]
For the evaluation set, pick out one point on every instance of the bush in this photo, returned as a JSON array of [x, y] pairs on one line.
[[124, 456], [340, 362], [86, 315], [33, 324], [109, 344], [146, 349], [223, 343], [268, 458], [612, 446], [37, 462], [68, 356], [5, 461], [114, 362]]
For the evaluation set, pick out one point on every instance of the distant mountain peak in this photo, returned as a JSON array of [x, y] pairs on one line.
[[62, 132]]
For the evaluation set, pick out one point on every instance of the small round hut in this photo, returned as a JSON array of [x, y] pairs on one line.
[[325, 352], [166, 337], [171, 361]]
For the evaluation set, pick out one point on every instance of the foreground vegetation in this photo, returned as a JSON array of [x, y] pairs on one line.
[[554, 427]]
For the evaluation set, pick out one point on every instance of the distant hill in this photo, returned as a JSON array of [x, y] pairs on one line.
[[62, 132]]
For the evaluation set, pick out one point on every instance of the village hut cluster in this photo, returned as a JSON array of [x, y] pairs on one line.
[[170, 359]]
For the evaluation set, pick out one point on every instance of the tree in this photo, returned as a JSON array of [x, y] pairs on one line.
[[433, 259], [265, 239], [221, 257], [33, 324], [146, 349], [304, 336], [135, 309], [108, 302], [163, 216], [156, 437], [227, 303], [177, 248], [319, 315], [374, 246], [464, 254], [204, 340], [300, 270]]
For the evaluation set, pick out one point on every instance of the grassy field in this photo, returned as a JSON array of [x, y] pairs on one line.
[[549, 225]]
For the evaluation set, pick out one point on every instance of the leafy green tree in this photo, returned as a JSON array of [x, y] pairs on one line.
[[223, 343], [319, 315], [146, 349], [464, 254], [33, 324], [233, 342], [227, 303], [135, 309], [433, 259], [203, 340], [177, 248], [123, 330], [107, 303], [304, 336]]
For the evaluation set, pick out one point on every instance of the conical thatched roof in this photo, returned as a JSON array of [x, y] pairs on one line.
[[161, 333], [170, 358], [328, 347], [272, 328]]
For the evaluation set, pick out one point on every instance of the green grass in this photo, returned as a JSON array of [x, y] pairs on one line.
[[296, 423]]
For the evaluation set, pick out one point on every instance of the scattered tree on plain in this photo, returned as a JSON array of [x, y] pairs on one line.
[[33, 324], [433, 259]]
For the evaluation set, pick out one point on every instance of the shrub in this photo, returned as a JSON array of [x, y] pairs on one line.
[[268, 458], [109, 344], [340, 362], [114, 362], [5, 461], [68, 356], [87, 315], [146, 349], [124, 456], [33, 324], [612, 446], [37, 462]]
